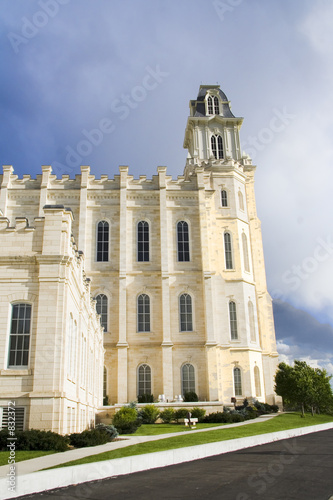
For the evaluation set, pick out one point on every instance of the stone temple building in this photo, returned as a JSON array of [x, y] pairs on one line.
[[176, 269]]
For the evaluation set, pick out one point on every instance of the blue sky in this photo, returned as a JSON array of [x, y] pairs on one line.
[[129, 68]]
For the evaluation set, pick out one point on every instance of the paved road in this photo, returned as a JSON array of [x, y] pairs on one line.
[[293, 469]]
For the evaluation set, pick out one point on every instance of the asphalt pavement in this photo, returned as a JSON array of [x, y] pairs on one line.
[[299, 468]]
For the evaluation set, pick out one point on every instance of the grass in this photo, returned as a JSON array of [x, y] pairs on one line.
[[23, 455], [156, 429], [279, 423]]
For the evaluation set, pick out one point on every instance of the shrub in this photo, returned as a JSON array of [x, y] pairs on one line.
[[167, 415], [146, 398], [149, 414], [34, 439], [237, 417], [181, 413], [190, 397], [275, 408], [198, 413], [110, 429], [89, 437], [218, 417], [126, 420]]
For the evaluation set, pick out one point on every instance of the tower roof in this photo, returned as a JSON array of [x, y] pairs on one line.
[[198, 107]]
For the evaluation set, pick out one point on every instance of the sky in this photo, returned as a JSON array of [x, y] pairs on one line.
[[107, 83]]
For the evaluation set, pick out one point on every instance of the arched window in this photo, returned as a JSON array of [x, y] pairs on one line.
[[237, 382], [216, 106], [228, 251], [257, 381], [210, 105], [241, 201], [224, 198], [185, 313], [144, 380], [217, 146], [143, 313], [19, 340], [188, 378], [102, 309], [245, 253], [233, 320], [252, 322], [143, 241], [105, 383], [183, 244], [102, 254]]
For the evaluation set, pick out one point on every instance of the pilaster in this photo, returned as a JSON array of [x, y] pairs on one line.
[[85, 171], [47, 170], [6, 184]]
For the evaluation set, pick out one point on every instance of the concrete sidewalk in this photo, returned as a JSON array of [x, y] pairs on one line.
[[47, 461]]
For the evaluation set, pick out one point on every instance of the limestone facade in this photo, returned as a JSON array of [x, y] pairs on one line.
[[176, 265]]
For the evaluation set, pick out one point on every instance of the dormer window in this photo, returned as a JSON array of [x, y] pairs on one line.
[[213, 105], [217, 146]]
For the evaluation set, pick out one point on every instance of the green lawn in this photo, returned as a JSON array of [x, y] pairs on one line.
[[279, 423], [156, 429], [23, 455]]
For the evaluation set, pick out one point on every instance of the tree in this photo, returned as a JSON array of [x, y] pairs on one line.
[[304, 386]]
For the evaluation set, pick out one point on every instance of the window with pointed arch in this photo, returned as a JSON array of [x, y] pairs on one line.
[[210, 105], [233, 320], [252, 322], [217, 146], [143, 241], [241, 200], [102, 309], [103, 233], [144, 379], [188, 378], [257, 381], [213, 105], [228, 251], [183, 241], [143, 313], [19, 339], [105, 383], [224, 198], [238, 381], [185, 313], [245, 253]]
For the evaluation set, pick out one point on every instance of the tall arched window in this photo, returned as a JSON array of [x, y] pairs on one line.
[[217, 146], [257, 381], [210, 105], [143, 241], [245, 253], [144, 380], [237, 381], [224, 198], [228, 251], [216, 106], [233, 320], [183, 243], [143, 313], [102, 254], [19, 340], [185, 313], [241, 201], [105, 383], [102, 309], [188, 378], [252, 322]]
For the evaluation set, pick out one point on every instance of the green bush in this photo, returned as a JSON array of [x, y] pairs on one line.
[[218, 417], [149, 414], [190, 397], [237, 417], [146, 398], [198, 413], [126, 420], [181, 413], [167, 415], [89, 437], [34, 439], [109, 429]]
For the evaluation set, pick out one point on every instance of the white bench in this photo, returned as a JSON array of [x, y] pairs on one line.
[[186, 421]]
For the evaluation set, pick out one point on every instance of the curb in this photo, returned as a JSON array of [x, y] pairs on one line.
[[78, 474]]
